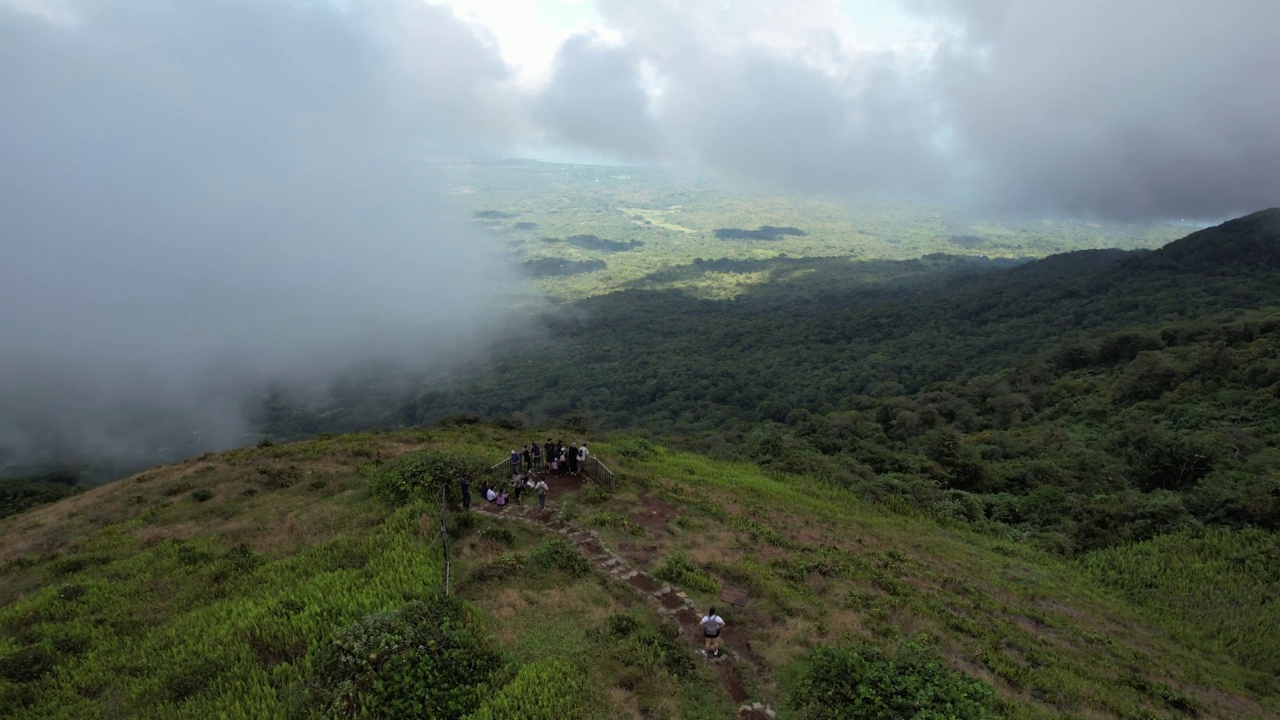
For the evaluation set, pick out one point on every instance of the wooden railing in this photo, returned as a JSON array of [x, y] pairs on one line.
[[500, 472]]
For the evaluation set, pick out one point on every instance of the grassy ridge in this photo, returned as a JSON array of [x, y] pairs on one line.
[[138, 599]]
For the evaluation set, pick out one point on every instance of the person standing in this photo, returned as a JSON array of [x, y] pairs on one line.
[[517, 487], [515, 462], [528, 459], [540, 487], [550, 449], [465, 482], [573, 460], [537, 455], [711, 624]]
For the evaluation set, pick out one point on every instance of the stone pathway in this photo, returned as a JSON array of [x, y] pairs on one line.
[[674, 605]]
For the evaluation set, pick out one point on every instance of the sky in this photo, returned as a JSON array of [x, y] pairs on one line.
[[203, 196]]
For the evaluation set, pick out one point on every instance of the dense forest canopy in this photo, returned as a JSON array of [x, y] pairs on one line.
[[1086, 399]]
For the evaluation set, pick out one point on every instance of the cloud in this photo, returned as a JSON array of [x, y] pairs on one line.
[[1134, 111], [596, 98], [199, 197], [1127, 110]]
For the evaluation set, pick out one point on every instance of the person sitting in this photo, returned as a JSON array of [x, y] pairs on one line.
[[502, 498], [489, 493]]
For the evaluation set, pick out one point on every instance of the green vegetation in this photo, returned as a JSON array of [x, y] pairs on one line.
[[952, 485], [308, 599], [852, 682], [665, 221], [1081, 402]]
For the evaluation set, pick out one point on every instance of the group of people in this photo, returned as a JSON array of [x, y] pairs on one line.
[[555, 457], [526, 464], [501, 496]]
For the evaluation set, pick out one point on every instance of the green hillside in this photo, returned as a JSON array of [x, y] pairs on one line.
[[1083, 401], [587, 230], [302, 580]]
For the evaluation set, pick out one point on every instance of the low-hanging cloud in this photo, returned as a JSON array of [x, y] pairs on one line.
[[1130, 111], [199, 197]]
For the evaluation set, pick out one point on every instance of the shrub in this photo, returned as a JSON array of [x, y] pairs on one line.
[[499, 535], [595, 494], [177, 489], [606, 518], [502, 567], [416, 477], [621, 625], [556, 554], [553, 690], [649, 648], [426, 660], [677, 569], [458, 524], [27, 664], [279, 478], [862, 682], [202, 495]]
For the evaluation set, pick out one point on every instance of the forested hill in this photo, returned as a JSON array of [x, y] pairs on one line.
[[1084, 400], [1245, 245], [810, 333]]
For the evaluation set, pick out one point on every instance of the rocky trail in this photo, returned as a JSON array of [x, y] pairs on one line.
[[672, 603]]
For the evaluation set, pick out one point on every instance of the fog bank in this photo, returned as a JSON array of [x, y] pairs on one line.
[[198, 198]]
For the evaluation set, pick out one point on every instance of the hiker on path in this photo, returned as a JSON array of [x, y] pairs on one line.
[[550, 447], [573, 460], [540, 487], [582, 455], [515, 461], [517, 486], [537, 455], [528, 458], [711, 624], [465, 482]]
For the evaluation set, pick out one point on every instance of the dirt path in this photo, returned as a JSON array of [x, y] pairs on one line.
[[673, 603]]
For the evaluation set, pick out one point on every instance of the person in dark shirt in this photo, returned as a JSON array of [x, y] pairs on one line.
[[537, 455], [465, 482], [573, 459], [528, 459], [550, 447]]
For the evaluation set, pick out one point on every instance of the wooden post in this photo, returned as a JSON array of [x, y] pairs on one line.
[[444, 536]]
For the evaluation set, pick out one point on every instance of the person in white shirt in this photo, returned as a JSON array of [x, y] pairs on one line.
[[711, 624]]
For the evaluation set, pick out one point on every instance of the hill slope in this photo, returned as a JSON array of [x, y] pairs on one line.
[[224, 584]]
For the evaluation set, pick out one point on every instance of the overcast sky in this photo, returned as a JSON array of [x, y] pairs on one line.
[[196, 192]]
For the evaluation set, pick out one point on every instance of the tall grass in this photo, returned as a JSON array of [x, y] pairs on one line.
[[1214, 589], [195, 629]]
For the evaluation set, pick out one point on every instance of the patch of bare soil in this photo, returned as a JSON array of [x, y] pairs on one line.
[[654, 514]]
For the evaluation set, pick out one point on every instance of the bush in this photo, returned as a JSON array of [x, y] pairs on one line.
[[607, 518], [416, 477], [542, 691], [503, 567], [499, 535], [202, 495], [426, 660], [621, 625], [650, 649], [27, 664], [556, 554], [677, 569], [862, 682]]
